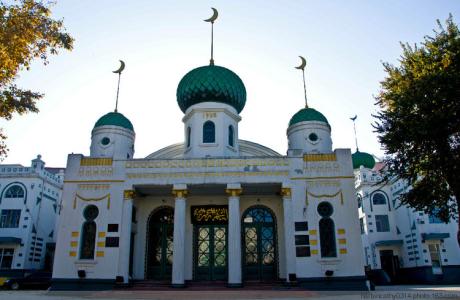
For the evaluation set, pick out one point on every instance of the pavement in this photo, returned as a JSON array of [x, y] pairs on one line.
[[386, 292]]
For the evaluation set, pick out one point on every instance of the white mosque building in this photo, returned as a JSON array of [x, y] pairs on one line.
[[213, 208]]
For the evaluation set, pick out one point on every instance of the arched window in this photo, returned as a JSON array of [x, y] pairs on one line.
[[379, 199], [88, 236], [327, 230], [189, 132], [360, 200], [231, 136], [14, 191], [209, 132], [327, 237]]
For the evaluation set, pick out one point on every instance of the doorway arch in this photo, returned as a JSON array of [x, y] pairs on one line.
[[159, 254], [259, 243]]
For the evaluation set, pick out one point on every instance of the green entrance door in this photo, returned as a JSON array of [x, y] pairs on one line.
[[259, 244], [210, 246], [160, 245]]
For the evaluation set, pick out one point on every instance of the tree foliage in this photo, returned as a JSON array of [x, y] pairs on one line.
[[27, 32], [419, 121]]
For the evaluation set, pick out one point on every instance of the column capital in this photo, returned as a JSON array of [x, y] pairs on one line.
[[180, 193], [129, 194], [286, 192], [234, 192]]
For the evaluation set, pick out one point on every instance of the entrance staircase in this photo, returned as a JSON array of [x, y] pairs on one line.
[[153, 285]]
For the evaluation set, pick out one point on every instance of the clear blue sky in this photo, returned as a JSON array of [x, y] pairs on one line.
[[344, 42]]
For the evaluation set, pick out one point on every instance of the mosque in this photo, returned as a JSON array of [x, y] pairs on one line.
[[213, 208]]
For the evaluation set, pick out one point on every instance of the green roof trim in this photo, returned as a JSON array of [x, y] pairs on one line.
[[9, 240], [114, 119], [211, 84], [435, 236], [362, 159], [389, 243], [308, 114]]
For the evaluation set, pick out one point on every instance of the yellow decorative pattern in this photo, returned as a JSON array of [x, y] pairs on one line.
[[100, 253], [313, 242], [95, 181], [206, 174], [91, 199], [320, 157], [342, 241], [313, 232], [128, 194], [180, 193], [341, 231], [234, 192], [101, 234], [101, 244], [75, 234], [72, 253], [87, 161], [286, 192], [206, 163], [322, 178], [325, 196], [73, 244], [314, 252], [343, 251], [95, 187]]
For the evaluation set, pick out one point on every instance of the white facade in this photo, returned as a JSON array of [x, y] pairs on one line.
[[239, 178], [29, 205], [412, 246]]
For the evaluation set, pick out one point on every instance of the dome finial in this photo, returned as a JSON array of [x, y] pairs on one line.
[[302, 67], [120, 69], [212, 19], [354, 127]]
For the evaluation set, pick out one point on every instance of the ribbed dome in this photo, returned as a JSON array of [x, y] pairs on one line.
[[211, 84], [114, 119], [307, 114], [362, 159]]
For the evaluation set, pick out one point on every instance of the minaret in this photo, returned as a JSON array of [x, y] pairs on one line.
[[308, 130], [211, 98], [113, 134]]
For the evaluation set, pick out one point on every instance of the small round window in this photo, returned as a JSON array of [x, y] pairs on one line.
[[313, 137], [325, 209], [90, 213], [105, 141]]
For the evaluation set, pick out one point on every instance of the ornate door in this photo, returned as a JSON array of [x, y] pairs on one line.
[[259, 244], [210, 252], [160, 245]]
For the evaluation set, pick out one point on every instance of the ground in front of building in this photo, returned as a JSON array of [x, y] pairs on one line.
[[383, 292]]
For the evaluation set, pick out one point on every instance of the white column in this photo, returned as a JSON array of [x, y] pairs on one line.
[[178, 272], [234, 235], [289, 243], [125, 235]]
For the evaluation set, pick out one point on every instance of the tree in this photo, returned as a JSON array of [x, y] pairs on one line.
[[27, 32], [419, 122]]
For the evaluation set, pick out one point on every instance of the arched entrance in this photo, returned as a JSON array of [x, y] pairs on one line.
[[160, 229], [259, 244]]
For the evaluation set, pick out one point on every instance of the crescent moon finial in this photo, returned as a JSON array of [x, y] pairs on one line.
[[121, 68], [214, 16], [303, 64]]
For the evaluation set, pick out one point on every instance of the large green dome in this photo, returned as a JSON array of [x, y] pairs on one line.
[[362, 159], [114, 119], [307, 114], [211, 84]]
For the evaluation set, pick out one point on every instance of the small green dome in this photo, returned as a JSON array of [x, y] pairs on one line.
[[308, 114], [211, 84], [114, 119], [362, 159]]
